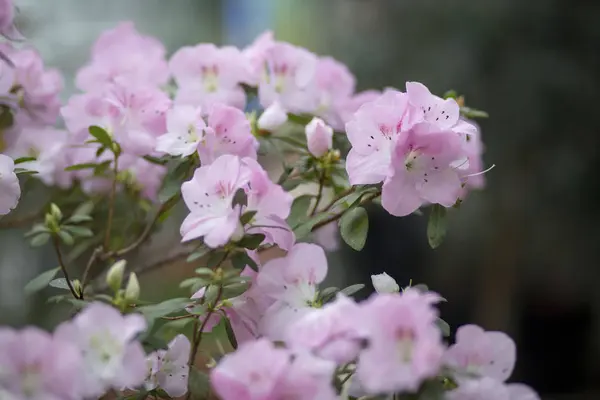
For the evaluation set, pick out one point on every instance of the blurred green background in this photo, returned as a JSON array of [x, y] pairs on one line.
[[521, 256]]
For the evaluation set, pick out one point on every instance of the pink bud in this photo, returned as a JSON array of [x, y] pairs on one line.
[[273, 117], [319, 136]]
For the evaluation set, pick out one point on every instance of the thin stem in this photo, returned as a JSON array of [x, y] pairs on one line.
[[88, 267], [339, 197], [339, 215], [319, 193], [61, 263], [111, 204], [179, 317]]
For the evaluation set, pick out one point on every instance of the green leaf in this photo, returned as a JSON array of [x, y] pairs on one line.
[[327, 294], [211, 294], [76, 219], [450, 94], [167, 307], [354, 227], [59, 283], [66, 238], [156, 160], [192, 282], [300, 119], [350, 290], [41, 281], [240, 260], [37, 229], [299, 209], [240, 198], [247, 217], [303, 229], [234, 290], [170, 188], [291, 184], [153, 343], [198, 309], [436, 228], [199, 253], [84, 208], [204, 271], [444, 327], [473, 113], [21, 160], [78, 231], [101, 135], [252, 241], [40, 240], [198, 384], [78, 167], [23, 171], [230, 333]]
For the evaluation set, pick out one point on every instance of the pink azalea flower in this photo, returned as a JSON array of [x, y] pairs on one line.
[[253, 372], [308, 378], [473, 148], [123, 53], [373, 133], [35, 365], [405, 345], [272, 205], [442, 113], [10, 191], [145, 177], [38, 87], [328, 237], [424, 170], [105, 338], [7, 77], [169, 369], [208, 75], [330, 332], [319, 137], [228, 133], [209, 196], [480, 389], [335, 85], [491, 354], [518, 391], [291, 282], [255, 55], [7, 26], [185, 130], [348, 107], [289, 78]]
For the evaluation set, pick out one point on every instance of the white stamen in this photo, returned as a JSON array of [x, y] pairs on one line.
[[482, 172]]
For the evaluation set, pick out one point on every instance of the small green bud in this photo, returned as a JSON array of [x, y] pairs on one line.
[[51, 223], [55, 212], [114, 277], [132, 291], [77, 286]]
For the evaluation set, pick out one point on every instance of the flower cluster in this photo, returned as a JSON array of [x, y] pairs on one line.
[[146, 131]]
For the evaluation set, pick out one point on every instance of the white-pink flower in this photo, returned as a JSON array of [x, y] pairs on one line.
[[291, 282], [433, 109], [273, 117], [10, 191], [331, 332], [319, 137], [185, 131], [253, 372], [491, 354], [169, 368], [308, 378], [106, 339], [405, 346], [383, 283], [207, 75], [335, 87], [35, 365]]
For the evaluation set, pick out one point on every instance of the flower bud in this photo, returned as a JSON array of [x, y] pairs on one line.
[[319, 137], [239, 233], [132, 291], [55, 212], [383, 283], [77, 286], [114, 277], [273, 117]]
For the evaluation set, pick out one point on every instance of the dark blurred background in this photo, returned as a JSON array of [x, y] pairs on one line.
[[522, 256]]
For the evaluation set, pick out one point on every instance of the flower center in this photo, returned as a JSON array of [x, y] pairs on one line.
[[210, 78], [30, 380], [405, 344]]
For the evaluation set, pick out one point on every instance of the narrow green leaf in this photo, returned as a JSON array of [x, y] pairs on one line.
[[230, 333], [234, 290], [354, 227], [156, 160], [21, 160], [102, 136], [327, 294], [40, 240], [59, 283], [167, 307], [240, 260], [350, 290], [78, 231], [66, 238], [302, 230], [78, 167], [444, 327], [299, 209], [37, 229], [76, 219], [252, 241], [41, 281], [201, 252], [84, 208], [204, 271], [247, 217], [436, 227]]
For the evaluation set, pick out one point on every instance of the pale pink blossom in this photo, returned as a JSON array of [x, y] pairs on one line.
[[185, 131], [491, 354], [442, 113], [10, 191], [308, 378], [106, 339], [228, 132], [169, 368], [7, 26], [347, 108], [373, 133], [405, 346], [123, 53], [34, 365], [273, 117], [518, 391], [209, 196], [383, 283], [255, 371], [335, 86], [207, 75], [424, 170], [291, 282], [480, 389], [330, 332], [255, 55], [319, 137], [289, 78]]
